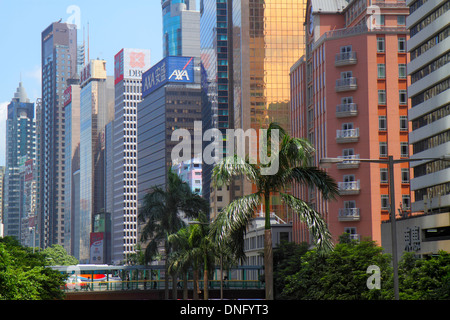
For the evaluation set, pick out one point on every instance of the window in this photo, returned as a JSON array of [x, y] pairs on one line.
[[406, 202], [382, 96], [382, 123], [348, 152], [379, 19], [384, 202], [403, 97], [384, 175], [401, 44], [346, 75], [403, 123], [405, 175], [402, 71], [380, 44], [347, 126], [347, 100], [383, 149], [381, 67], [404, 149], [401, 20]]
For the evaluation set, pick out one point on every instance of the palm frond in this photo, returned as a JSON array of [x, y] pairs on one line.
[[234, 218], [312, 177], [232, 166], [313, 220]]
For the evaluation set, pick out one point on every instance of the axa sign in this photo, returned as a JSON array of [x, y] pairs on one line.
[[168, 70]]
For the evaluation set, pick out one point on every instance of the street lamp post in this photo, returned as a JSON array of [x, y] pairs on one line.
[[390, 162]]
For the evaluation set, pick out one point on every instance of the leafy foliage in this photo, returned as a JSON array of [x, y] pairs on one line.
[[24, 275], [56, 255]]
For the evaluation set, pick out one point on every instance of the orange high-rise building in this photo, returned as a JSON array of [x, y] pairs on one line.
[[349, 98]]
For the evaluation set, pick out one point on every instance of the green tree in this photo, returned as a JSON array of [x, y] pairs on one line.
[[294, 159], [56, 255], [24, 275], [161, 214], [424, 279], [341, 274]]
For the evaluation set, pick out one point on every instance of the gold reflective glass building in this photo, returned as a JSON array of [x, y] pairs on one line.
[[267, 39]]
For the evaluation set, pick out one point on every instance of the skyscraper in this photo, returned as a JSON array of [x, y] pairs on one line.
[[181, 28], [217, 93], [20, 148], [129, 65], [72, 162], [429, 92], [96, 111], [59, 62], [255, 42], [171, 99]]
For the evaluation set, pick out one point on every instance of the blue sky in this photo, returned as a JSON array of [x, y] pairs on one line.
[[113, 25]]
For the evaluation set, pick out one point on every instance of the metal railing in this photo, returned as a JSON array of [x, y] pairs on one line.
[[349, 213], [349, 185], [347, 133]]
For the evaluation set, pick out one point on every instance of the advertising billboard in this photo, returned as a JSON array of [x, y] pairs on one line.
[[169, 70], [67, 95], [130, 64], [97, 248]]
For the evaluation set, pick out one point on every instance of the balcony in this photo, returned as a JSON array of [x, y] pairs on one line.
[[349, 214], [347, 136], [345, 59], [351, 162], [346, 84], [348, 188], [346, 110]]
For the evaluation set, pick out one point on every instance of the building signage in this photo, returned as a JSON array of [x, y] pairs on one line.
[[130, 64], [168, 70], [97, 248], [85, 74], [29, 170], [412, 239]]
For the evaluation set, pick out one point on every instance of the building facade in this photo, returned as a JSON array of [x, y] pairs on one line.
[[96, 111], [190, 171], [248, 48], [349, 99], [72, 163], [59, 63], [215, 41], [181, 28], [429, 50], [20, 150], [130, 64], [171, 100]]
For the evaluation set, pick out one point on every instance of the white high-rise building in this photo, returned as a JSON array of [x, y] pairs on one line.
[[129, 66], [429, 49]]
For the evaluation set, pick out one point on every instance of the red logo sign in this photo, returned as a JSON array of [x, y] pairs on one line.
[[137, 60]]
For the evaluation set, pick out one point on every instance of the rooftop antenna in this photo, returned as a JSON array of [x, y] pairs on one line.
[[88, 41]]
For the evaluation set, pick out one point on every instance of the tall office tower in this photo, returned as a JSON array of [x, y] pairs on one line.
[[217, 98], [171, 99], [72, 162], [59, 62], [181, 28], [96, 111], [429, 49], [20, 147], [264, 40], [129, 65], [349, 99], [2, 184]]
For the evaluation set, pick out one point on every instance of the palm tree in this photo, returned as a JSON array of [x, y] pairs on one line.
[[192, 248], [294, 166], [161, 213]]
